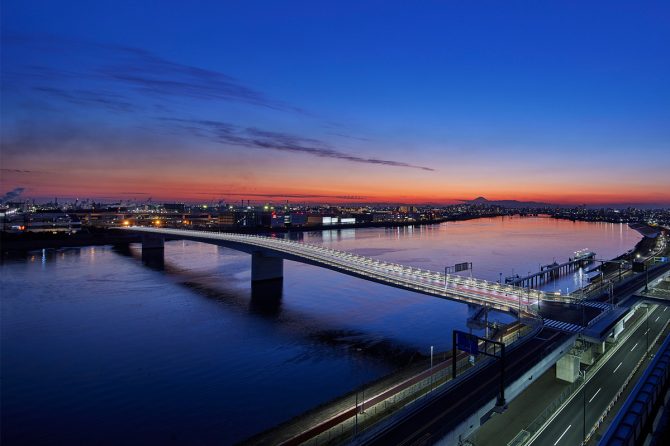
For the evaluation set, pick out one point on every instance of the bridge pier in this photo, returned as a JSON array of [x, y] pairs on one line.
[[153, 251], [265, 267], [150, 241]]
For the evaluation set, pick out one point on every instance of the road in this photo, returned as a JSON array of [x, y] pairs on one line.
[[568, 427], [436, 417]]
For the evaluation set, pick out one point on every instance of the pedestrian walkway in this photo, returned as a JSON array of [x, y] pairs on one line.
[[562, 326], [503, 428], [602, 305]]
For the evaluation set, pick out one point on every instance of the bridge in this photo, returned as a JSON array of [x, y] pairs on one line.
[[268, 253]]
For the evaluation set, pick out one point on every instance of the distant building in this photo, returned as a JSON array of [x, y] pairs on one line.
[[314, 219], [298, 219], [175, 207], [53, 222], [227, 219]]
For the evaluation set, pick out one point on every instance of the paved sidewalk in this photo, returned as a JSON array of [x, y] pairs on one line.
[[502, 428]]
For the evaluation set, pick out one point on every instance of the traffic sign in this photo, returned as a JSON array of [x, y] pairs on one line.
[[467, 343]]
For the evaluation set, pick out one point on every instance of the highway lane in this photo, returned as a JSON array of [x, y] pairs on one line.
[[568, 427]]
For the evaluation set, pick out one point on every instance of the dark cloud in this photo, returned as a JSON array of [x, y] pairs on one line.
[[120, 67], [12, 194], [16, 171], [262, 139], [279, 195], [156, 76], [110, 101], [355, 138], [120, 78]]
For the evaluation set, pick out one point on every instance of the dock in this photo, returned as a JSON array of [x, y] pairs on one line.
[[552, 271]]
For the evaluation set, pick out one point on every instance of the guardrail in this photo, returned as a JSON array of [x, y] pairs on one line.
[[627, 426]]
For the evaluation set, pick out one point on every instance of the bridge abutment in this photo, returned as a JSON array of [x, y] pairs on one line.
[[265, 267]]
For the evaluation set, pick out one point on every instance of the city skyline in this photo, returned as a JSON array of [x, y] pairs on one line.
[[565, 104]]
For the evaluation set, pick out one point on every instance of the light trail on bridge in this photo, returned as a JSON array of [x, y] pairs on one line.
[[470, 290]]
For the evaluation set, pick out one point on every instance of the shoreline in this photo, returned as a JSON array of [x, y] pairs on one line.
[[13, 243], [100, 237]]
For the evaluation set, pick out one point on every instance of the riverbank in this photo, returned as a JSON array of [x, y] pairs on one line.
[[29, 241], [646, 230]]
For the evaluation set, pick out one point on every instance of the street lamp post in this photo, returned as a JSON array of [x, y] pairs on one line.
[[584, 414], [647, 327], [431, 368], [584, 411], [363, 399], [646, 278], [431, 356]]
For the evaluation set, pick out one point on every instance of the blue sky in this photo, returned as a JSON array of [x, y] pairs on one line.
[[557, 101]]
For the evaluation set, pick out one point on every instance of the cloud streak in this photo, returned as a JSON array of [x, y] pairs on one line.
[[121, 67], [110, 101], [16, 171], [223, 132], [280, 195], [156, 76]]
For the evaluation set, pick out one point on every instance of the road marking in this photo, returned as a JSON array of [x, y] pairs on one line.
[[665, 309], [657, 319], [559, 438], [646, 332], [594, 395], [617, 367], [634, 346]]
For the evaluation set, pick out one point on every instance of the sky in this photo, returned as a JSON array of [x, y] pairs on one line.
[[379, 101]]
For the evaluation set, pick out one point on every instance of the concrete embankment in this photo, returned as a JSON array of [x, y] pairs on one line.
[[645, 229]]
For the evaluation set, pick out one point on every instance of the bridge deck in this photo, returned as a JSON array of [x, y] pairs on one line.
[[500, 296]]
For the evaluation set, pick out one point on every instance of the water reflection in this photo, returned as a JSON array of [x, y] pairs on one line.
[[154, 259], [266, 297]]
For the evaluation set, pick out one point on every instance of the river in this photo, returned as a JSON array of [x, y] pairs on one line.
[[99, 349]]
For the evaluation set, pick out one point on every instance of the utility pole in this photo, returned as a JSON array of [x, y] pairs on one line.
[[356, 417]]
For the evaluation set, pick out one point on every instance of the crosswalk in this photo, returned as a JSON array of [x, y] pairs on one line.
[[562, 326], [602, 305]]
